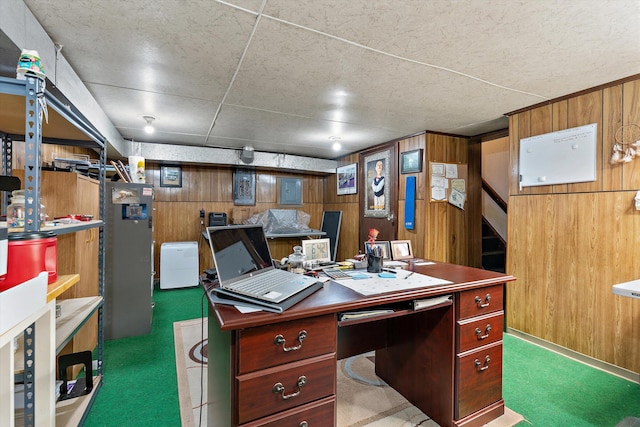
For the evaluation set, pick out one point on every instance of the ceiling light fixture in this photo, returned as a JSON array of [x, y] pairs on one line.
[[336, 142], [149, 126]]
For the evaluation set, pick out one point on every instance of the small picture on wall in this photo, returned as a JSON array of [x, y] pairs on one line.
[[411, 161], [347, 178], [170, 176]]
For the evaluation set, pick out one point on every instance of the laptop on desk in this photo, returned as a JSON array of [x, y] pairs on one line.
[[245, 269]]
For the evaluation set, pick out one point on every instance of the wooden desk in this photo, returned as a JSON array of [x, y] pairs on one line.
[[446, 360]]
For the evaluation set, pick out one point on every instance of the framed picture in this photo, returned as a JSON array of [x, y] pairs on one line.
[[347, 178], [384, 246], [290, 191], [377, 196], [411, 161], [170, 176], [244, 187], [401, 249]]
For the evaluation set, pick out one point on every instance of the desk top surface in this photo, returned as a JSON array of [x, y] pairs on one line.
[[334, 298]]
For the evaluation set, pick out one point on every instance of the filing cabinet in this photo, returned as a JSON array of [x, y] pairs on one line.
[[479, 321]]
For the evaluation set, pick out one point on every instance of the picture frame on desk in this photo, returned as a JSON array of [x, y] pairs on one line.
[[170, 176], [401, 249], [384, 246]]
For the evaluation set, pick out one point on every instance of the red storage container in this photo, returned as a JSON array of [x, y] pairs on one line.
[[28, 254]]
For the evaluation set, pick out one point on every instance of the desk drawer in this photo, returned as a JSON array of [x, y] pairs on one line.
[[278, 343], [479, 301], [480, 330], [277, 389], [314, 414], [479, 379]]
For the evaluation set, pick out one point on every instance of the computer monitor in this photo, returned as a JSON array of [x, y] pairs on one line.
[[331, 221]]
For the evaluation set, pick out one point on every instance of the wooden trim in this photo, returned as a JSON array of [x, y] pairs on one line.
[[575, 94], [494, 195]]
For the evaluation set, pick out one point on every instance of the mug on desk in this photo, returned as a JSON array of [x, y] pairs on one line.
[[374, 263]]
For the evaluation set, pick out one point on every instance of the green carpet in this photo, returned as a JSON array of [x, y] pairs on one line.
[[140, 386], [552, 390]]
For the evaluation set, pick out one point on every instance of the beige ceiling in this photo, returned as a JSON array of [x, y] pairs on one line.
[[285, 76]]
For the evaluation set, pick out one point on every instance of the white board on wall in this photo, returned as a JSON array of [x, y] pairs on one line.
[[561, 157]]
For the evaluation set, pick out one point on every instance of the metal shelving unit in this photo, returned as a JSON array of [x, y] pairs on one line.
[[36, 99]]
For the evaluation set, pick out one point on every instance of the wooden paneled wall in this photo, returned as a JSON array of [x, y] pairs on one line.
[[176, 210], [441, 229], [349, 204], [440, 232], [569, 243]]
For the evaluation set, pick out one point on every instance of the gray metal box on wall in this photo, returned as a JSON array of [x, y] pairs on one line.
[[129, 260]]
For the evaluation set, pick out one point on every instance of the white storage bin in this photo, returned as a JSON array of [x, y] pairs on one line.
[[179, 265], [21, 301]]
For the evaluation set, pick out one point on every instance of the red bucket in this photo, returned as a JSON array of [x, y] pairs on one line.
[[28, 254]]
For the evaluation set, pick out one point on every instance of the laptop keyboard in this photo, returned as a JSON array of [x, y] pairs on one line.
[[267, 282]]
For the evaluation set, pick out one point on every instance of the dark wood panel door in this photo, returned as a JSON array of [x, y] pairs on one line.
[[378, 190]]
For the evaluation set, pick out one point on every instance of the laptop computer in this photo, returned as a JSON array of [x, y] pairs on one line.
[[245, 269]]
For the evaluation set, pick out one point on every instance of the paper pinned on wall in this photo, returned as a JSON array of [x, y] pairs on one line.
[[445, 179], [438, 193], [457, 198], [451, 170]]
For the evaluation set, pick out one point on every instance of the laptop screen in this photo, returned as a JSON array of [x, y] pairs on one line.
[[239, 251]]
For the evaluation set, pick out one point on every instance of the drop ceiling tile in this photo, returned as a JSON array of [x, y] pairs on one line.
[[181, 48], [506, 43], [323, 78], [291, 133], [174, 114]]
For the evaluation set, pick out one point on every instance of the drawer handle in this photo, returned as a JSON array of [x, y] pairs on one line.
[[303, 424], [279, 340], [486, 364], [479, 301], [486, 330], [278, 388]]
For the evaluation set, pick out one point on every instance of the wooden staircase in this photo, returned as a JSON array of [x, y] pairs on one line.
[[494, 251]]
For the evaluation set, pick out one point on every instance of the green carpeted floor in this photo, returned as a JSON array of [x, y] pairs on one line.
[[549, 390], [140, 387]]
